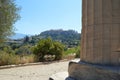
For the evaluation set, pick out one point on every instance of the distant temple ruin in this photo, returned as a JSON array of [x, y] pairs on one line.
[[101, 32]]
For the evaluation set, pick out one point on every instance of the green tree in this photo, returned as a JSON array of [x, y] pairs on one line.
[[57, 50], [48, 47], [24, 50], [6, 48], [26, 39], [8, 16]]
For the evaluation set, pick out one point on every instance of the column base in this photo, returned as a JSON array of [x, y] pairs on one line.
[[85, 71]]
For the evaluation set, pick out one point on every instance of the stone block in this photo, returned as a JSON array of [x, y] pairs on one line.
[[83, 71]]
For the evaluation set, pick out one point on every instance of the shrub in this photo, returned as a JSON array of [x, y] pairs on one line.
[[8, 59], [27, 59], [57, 50], [48, 47], [6, 48], [24, 50], [78, 52], [72, 53]]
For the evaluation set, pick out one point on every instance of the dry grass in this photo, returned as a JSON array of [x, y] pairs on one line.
[[8, 59], [69, 57]]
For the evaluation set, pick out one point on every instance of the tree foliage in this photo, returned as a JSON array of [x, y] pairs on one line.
[[48, 47], [78, 52], [70, 38], [24, 50], [62, 35], [26, 39], [8, 16]]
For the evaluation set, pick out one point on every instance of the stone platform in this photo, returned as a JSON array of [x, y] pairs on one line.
[[78, 70], [63, 75], [85, 71], [59, 76]]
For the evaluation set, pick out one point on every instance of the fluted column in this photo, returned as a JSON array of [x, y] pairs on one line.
[[100, 32]]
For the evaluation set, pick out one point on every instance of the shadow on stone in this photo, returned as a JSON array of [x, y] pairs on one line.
[[81, 71], [51, 79], [70, 78], [59, 76]]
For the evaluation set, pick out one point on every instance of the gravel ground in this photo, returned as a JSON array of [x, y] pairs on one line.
[[34, 72]]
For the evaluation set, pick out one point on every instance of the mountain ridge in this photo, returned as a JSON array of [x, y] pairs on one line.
[[17, 36]]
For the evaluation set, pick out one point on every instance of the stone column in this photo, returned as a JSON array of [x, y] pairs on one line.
[[100, 32], [100, 42]]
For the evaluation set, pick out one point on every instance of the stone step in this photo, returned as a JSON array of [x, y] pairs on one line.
[[59, 76]]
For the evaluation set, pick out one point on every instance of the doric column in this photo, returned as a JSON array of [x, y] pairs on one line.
[[100, 32]]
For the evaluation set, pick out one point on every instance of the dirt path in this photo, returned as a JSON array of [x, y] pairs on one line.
[[35, 72]]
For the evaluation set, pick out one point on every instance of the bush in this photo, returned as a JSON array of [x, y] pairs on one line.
[[27, 59], [48, 47], [72, 53], [8, 59], [24, 50], [6, 48], [78, 52], [57, 50]]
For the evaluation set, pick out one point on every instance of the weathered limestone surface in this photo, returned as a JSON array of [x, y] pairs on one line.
[[59, 76], [100, 58], [101, 32], [82, 71]]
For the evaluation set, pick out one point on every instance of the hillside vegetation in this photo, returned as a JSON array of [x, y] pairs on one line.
[[52, 43], [69, 37]]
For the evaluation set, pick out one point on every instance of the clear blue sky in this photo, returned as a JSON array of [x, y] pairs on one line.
[[41, 15]]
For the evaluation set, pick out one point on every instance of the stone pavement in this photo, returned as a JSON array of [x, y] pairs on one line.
[[34, 72], [63, 75]]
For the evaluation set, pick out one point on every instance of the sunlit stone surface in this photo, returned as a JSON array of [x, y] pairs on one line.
[[101, 32], [100, 44]]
